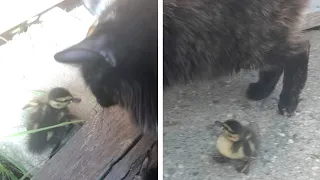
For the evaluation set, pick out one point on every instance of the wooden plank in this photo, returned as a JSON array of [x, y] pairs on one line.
[[15, 12], [312, 21], [108, 144]]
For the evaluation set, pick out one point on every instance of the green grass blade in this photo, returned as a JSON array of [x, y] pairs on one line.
[[7, 173], [38, 92], [26, 175], [20, 168], [43, 129]]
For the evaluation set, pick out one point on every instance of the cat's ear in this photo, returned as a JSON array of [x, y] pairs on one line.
[[88, 49]]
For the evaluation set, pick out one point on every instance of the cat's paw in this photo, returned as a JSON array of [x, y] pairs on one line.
[[287, 104], [258, 91]]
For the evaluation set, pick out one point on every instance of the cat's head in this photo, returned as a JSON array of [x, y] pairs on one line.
[[124, 31], [123, 41]]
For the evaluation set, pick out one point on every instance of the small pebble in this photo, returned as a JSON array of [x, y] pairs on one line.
[[230, 115], [180, 166], [290, 141], [282, 134], [203, 157], [315, 168]]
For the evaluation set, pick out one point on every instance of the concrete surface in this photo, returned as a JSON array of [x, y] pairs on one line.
[[290, 146], [27, 64], [314, 5]]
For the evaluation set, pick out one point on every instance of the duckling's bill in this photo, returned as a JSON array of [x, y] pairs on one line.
[[218, 123]]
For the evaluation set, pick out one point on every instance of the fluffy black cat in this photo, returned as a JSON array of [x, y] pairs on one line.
[[204, 39], [119, 59]]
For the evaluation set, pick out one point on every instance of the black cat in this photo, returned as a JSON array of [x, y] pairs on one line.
[[119, 59], [209, 38]]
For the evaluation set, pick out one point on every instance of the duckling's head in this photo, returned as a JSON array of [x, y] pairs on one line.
[[232, 130], [60, 98]]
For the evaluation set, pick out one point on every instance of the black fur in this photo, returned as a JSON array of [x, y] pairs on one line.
[[119, 60], [45, 116], [204, 39], [152, 174]]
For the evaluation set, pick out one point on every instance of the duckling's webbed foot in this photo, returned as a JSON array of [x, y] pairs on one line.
[[243, 167], [220, 159]]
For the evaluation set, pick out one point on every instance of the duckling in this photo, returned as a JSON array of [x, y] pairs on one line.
[[237, 142], [53, 111]]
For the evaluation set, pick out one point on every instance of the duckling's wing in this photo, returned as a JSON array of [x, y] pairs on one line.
[[31, 104], [35, 117]]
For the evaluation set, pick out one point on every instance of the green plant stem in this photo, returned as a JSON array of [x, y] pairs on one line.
[[43, 129], [7, 173]]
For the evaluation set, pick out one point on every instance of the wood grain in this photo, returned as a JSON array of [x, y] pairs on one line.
[[108, 144]]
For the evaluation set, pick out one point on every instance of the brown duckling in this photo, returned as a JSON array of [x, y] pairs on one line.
[[237, 142], [52, 112]]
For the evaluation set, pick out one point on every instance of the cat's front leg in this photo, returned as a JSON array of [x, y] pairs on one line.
[[295, 76]]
